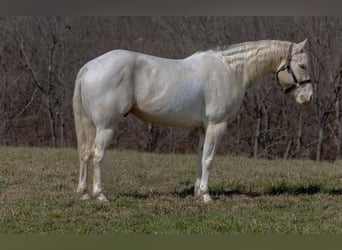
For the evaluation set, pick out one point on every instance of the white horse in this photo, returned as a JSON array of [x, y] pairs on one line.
[[203, 91]]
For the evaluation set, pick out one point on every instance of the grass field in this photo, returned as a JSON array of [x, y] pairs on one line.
[[151, 193]]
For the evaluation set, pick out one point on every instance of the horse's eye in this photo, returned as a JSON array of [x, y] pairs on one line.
[[302, 66]]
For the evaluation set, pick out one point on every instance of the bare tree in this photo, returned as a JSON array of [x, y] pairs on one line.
[[40, 57]]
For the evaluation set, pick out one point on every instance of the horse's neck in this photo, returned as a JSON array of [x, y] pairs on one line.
[[253, 61]]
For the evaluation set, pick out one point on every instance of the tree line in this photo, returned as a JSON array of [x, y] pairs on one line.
[[40, 57]]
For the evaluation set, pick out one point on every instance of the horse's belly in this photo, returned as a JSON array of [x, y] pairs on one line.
[[170, 118], [177, 104]]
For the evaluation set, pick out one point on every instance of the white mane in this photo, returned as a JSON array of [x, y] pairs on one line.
[[255, 59]]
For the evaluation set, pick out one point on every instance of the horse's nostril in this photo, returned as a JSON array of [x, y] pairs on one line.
[[311, 98]]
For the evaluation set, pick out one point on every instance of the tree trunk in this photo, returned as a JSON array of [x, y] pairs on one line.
[[338, 120], [257, 136], [257, 127], [153, 137], [266, 137], [320, 142], [61, 130], [52, 123], [299, 132], [287, 151]]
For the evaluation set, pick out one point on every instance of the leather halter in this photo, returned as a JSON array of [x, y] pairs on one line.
[[287, 66]]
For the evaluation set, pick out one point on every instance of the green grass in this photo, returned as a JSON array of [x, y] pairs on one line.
[[151, 193]]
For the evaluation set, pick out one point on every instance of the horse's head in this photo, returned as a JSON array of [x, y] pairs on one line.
[[293, 73]]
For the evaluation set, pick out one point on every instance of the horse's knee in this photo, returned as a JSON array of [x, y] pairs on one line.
[[85, 156], [97, 156]]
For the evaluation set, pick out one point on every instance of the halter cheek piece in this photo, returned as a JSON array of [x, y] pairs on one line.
[[287, 66]]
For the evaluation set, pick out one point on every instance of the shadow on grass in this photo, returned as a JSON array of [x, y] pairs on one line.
[[302, 189], [272, 189], [189, 192], [335, 192], [217, 193]]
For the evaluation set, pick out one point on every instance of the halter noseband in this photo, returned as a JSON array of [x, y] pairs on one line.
[[287, 66]]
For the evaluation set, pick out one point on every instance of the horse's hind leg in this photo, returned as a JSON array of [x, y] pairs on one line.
[[102, 140], [85, 140], [82, 189]]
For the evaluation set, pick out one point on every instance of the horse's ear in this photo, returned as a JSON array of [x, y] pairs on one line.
[[301, 46]]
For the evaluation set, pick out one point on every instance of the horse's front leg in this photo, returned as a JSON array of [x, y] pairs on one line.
[[213, 135], [199, 163]]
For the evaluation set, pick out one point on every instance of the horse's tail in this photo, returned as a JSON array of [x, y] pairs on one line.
[[85, 129]]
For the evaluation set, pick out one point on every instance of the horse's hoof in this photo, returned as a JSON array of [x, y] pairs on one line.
[[102, 198], [85, 197], [81, 189], [207, 198]]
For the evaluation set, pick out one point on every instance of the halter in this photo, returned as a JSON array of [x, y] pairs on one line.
[[287, 66]]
